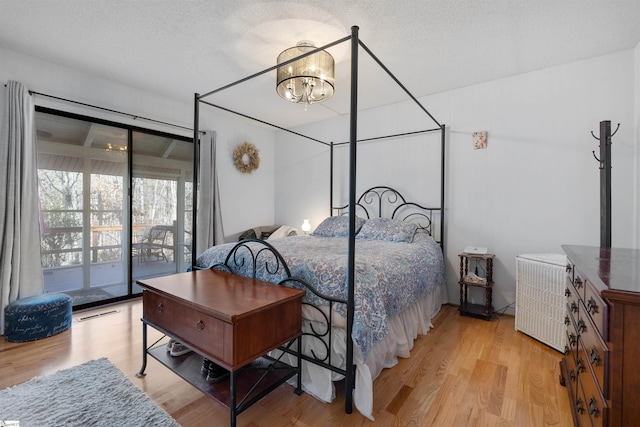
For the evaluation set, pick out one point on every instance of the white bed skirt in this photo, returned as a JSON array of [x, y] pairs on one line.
[[405, 328]]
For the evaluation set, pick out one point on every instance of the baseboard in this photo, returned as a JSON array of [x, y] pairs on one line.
[[508, 311]]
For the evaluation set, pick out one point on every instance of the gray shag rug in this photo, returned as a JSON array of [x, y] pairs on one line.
[[92, 394]]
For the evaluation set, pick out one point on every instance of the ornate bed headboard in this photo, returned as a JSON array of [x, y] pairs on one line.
[[386, 202]]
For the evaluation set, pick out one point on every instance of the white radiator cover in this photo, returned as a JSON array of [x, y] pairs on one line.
[[540, 299]]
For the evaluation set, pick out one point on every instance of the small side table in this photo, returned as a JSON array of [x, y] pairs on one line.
[[480, 276]]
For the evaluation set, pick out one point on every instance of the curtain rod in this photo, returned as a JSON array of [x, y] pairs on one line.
[[134, 116]]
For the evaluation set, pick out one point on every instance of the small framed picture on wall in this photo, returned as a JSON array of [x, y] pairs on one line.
[[480, 140]]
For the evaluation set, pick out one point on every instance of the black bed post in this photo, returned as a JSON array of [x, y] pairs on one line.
[[196, 164], [331, 179], [353, 140], [442, 178]]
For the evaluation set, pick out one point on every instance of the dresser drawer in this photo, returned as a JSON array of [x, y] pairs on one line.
[[595, 404], [578, 282], [572, 313], [572, 301], [581, 362], [572, 344], [580, 406], [572, 381], [197, 330], [596, 309], [572, 333], [570, 269], [596, 353]]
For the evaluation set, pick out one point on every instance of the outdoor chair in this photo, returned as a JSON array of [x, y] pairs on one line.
[[152, 245]]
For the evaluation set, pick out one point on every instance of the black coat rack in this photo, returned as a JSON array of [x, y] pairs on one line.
[[605, 180]]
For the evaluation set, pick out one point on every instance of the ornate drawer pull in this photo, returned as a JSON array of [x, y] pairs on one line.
[[577, 282], [569, 267], [594, 357], [200, 325], [573, 340], [579, 405], [567, 292], [580, 365], [593, 407], [566, 320], [574, 307], [566, 350], [582, 327], [572, 375], [592, 306], [161, 308]]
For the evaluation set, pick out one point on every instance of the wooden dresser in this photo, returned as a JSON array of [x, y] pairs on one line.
[[602, 356]]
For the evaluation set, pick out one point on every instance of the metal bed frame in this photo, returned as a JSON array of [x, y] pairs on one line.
[[355, 44]]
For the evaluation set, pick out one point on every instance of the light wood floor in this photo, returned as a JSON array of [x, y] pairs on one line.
[[465, 372]]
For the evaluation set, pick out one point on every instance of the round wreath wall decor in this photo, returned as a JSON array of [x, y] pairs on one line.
[[246, 157]]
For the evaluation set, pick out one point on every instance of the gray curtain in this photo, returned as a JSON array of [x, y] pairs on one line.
[[209, 220], [20, 267]]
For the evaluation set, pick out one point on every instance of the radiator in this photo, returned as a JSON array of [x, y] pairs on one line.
[[540, 299]]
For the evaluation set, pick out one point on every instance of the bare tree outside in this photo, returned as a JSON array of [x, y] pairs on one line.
[[61, 196]]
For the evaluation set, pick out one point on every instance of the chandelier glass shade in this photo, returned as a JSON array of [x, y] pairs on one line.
[[307, 80]]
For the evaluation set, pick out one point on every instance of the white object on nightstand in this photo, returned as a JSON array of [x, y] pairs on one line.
[[476, 250]]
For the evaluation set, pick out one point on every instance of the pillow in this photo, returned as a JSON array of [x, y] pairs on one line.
[[391, 230], [284, 231], [249, 234], [262, 232], [336, 226]]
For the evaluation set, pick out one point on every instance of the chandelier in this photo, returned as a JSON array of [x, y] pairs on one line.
[[307, 80]]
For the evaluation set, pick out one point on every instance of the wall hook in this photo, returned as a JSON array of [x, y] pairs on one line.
[[599, 161], [614, 132]]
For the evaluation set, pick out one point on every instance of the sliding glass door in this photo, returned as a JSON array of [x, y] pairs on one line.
[[160, 213], [114, 204]]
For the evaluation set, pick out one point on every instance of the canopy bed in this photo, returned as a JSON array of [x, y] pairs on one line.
[[352, 326]]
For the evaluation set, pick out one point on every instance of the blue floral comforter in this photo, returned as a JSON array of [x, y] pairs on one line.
[[389, 276]]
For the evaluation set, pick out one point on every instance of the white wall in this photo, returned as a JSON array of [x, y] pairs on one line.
[[636, 179], [247, 200], [533, 189]]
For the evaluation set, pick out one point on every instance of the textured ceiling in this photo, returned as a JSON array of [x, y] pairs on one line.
[[177, 48]]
